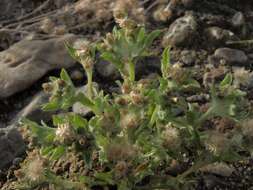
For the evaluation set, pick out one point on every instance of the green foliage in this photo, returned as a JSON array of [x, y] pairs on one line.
[[123, 49], [139, 133]]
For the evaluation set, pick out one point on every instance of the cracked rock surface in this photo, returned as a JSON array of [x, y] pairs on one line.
[[27, 61]]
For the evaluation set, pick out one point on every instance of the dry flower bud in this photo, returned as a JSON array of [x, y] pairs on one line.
[[47, 26], [121, 101], [87, 63], [83, 141], [129, 120], [121, 169], [47, 87], [127, 24], [61, 82], [136, 97], [162, 14], [126, 88]]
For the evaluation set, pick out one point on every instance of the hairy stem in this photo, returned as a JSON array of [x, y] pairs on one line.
[[89, 83]]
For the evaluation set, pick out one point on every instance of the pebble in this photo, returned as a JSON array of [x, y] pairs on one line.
[[76, 75], [181, 32], [188, 3], [11, 146], [217, 35], [188, 57], [231, 56], [107, 70], [238, 19], [27, 61]]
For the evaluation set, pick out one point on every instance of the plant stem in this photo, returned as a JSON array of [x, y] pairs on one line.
[[192, 169], [131, 67], [89, 83]]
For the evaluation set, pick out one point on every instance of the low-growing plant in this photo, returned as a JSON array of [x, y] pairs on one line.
[[134, 137]]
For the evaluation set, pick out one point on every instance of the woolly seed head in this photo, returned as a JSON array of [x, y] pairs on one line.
[[171, 137], [217, 143], [35, 168]]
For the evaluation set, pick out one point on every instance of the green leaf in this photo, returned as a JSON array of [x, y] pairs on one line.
[[110, 57], [87, 156], [151, 37], [58, 152], [64, 76], [84, 100], [77, 121], [72, 52], [44, 134], [106, 177], [227, 81], [191, 85], [165, 62], [45, 151], [58, 119], [141, 35], [52, 105]]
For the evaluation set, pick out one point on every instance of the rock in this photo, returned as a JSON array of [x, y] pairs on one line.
[[27, 61], [231, 56], [218, 36], [250, 84], [181, 31], [11, 146], [238, 19], [212, 60], [33, 110], [188, 57], [7, 6], [220, 168], [198, 98], [77, 75], [107, 70], [188, 3]]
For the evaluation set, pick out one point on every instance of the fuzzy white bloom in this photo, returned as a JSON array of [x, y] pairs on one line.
[[171, 137], [35, 168], [241, 76], [64, 133], [129, 120]]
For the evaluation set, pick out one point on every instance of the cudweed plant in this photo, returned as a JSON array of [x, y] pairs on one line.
[[135, 136]]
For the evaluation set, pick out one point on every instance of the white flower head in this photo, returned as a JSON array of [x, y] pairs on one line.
[[242, 76], [65, 133], [171, 137]]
